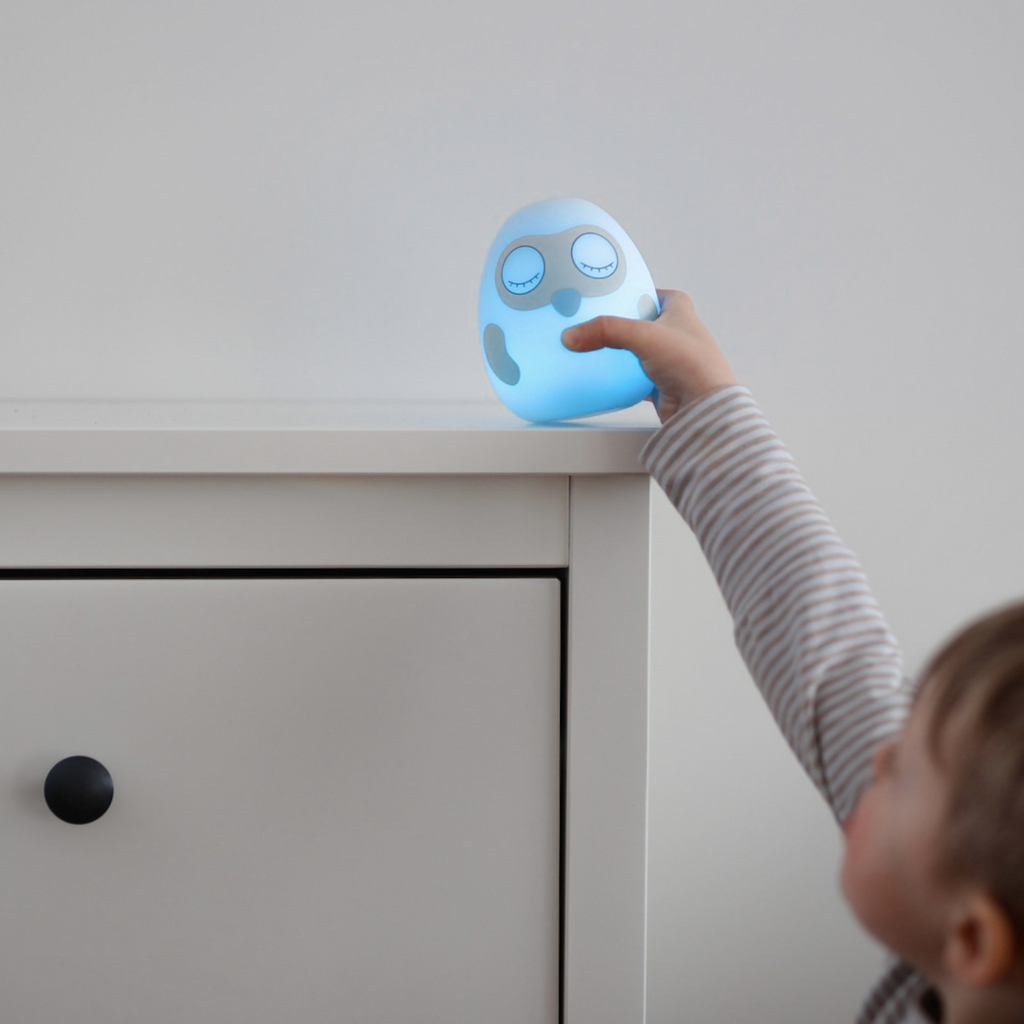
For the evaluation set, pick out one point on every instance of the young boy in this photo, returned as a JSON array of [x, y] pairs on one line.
[[928, 787]]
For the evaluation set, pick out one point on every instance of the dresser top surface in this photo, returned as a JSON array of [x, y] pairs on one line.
[[166, 437]]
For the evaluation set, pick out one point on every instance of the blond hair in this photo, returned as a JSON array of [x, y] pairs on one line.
[[975, 686]]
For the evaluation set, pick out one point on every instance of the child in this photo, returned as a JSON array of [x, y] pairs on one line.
[[928, 787]]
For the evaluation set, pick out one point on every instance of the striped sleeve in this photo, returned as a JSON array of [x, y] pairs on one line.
[[805, 621], [896, 997]]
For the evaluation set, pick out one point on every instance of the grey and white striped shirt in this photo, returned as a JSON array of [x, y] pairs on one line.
[[806, 623]]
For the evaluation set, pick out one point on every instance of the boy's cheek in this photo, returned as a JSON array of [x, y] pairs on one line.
[[847, 869], [857, 831], [856, 883], [854, 826]]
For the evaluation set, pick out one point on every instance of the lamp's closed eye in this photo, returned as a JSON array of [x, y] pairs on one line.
[[522, 270], [594, 255]]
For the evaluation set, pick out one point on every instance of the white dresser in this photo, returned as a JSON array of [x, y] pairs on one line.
[[370, 686]]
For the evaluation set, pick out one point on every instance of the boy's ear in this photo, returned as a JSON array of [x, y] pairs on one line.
[[980, 946]]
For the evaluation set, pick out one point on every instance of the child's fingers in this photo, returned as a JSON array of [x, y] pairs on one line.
[[676, 351], [609, 332]]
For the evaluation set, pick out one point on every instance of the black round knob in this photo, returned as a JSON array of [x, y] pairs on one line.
[[78, 790]]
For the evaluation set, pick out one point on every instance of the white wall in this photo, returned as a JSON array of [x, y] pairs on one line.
[[271, 200]]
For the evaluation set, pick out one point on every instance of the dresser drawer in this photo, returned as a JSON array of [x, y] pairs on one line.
[[186, 521], [334, 799]]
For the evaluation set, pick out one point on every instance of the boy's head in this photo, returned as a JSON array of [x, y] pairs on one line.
[[934, 862], [975, 690]]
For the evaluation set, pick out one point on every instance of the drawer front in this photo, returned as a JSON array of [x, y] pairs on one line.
[[333, 800], [192, 521]]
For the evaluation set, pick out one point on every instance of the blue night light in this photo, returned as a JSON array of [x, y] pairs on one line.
[[555, 264]]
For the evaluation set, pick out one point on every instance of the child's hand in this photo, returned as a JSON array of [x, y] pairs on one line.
[[676, 351]]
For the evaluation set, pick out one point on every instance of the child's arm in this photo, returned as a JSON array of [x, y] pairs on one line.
[[805, 621]]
